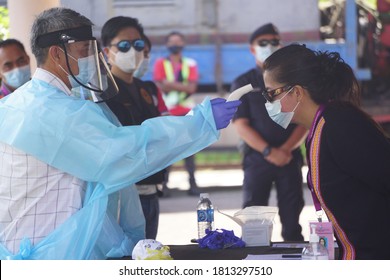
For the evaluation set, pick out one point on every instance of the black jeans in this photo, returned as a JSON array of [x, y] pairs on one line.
[[260, 176], [190, 166], [151, 209]]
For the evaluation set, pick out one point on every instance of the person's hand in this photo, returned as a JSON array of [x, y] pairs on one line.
[[223, 111], [166, 86], [279, 157]]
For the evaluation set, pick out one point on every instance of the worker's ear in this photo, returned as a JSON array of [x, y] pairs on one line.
[[55, 54]]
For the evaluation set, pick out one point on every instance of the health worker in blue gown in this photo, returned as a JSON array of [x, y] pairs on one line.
[[67, 167]]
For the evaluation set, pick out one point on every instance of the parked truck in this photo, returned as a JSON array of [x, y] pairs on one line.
[[352, 28], [372, 45]]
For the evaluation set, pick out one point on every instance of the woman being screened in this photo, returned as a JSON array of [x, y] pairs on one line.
[[348, 153]]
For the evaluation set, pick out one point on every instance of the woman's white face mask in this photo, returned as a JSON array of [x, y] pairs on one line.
[[128, 61], [142, 68], [274, 110]]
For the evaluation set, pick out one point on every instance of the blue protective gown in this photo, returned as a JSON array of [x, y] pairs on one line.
[[78, 137]]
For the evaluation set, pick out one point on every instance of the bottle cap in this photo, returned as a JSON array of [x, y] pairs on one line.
[[204, 195]]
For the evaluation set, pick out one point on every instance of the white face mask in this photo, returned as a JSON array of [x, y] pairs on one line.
[[262, 53], [18, 76], [142, 68], [274, 110], [129, 61]]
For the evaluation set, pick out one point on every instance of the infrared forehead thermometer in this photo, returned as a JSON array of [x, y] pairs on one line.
[[238, 93]]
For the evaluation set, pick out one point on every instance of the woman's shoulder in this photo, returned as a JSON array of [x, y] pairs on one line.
[[341, 112], [347, 119]]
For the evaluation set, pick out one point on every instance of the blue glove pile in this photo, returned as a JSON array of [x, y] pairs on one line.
[[223, 111]]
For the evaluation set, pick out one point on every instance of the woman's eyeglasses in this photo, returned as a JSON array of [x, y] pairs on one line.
[[125, 45], [273, 42], [269, 95]]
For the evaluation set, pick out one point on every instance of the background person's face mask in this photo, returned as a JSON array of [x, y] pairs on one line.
[[142, 68], [18, 76], [274, 110], [175, 49], [128, 61], [262, 53]]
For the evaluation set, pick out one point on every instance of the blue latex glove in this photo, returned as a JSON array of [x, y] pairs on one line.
[[223, 111]]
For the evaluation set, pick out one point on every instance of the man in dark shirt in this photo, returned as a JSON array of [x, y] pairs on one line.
[[271, 153]]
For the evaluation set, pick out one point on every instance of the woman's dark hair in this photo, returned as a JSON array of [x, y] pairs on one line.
[[147, 41], [114, 25], [324, 74]]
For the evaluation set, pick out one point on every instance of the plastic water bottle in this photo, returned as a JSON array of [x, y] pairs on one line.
[[205, 211], [314, 250]]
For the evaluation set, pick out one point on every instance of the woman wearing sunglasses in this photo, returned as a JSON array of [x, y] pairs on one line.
[[124, 45], [122, 38], [348, 153]]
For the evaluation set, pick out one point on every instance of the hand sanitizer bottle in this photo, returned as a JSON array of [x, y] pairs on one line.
[[314, 250]]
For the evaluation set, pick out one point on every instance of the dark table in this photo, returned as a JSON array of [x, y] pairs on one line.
[[193, 252]]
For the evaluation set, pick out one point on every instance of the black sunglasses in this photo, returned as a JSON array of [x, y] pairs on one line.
[[273, 42], [269, 95], [125, 45]]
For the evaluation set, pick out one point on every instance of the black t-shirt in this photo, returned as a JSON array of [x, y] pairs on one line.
[[354, 172], [135, 103]]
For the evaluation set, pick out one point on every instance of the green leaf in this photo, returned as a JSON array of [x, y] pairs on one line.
[[4, 23]]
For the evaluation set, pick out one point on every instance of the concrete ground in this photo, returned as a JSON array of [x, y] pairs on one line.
[[178, 225]]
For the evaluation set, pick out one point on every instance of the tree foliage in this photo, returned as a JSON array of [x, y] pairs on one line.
[[4, 23]]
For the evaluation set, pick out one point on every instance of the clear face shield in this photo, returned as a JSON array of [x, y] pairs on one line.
[[88, 73]]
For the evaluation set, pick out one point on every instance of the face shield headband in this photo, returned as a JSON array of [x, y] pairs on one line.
[[94, 80]]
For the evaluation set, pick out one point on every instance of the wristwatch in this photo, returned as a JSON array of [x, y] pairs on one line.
[[267, 151]]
